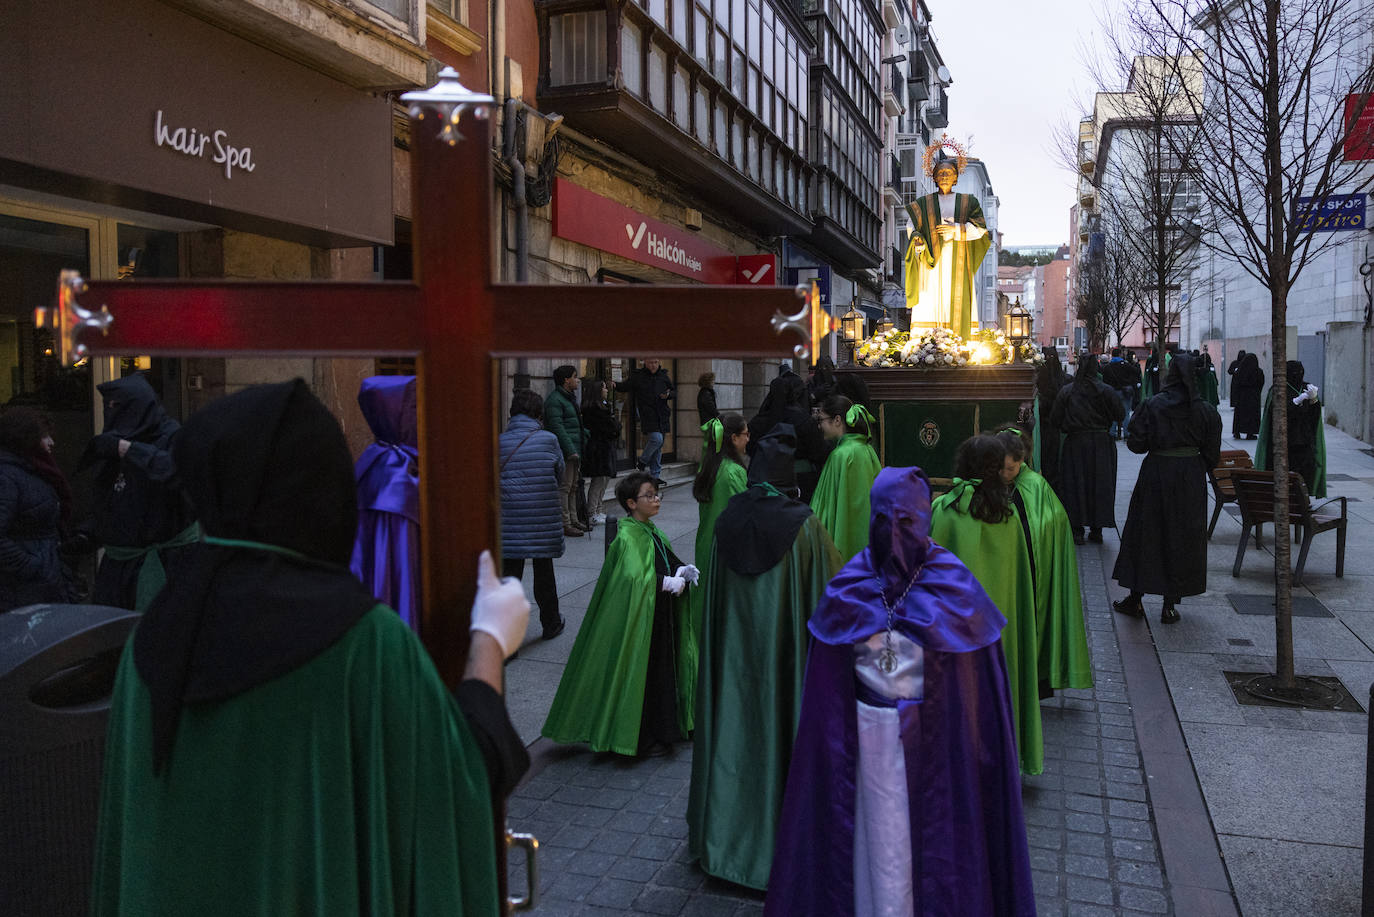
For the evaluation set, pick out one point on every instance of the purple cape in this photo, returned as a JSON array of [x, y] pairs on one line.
[[968, 836], [386, 553]]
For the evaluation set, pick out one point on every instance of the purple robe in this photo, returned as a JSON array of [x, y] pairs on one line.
[[386, 552], [968, 836]]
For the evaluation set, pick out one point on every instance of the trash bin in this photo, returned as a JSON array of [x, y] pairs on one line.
[[57, 668]]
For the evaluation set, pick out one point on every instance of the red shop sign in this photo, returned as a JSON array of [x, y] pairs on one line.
[[1359, 136], [584, 216], [757, 269]]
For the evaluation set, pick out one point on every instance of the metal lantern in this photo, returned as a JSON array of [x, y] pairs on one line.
[[451, 100], [1018, 325], [884, 325], [852, 327]]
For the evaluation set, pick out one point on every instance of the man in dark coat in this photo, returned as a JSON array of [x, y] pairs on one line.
[[1084, 411], [1164, 544], [653, 391], [139, 514], [1231, 371], [563, 419]]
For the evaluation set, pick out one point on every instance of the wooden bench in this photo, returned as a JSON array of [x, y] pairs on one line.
[[1255, 493], [1220, 476]]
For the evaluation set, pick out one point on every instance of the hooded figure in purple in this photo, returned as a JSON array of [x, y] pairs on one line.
[[386, 553], [904, 794]]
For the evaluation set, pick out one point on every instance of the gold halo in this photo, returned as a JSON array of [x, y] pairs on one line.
[[946, 142]]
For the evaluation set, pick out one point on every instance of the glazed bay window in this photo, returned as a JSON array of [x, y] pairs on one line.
[[702, 84]]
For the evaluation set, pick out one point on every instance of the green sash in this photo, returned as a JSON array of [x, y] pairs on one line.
[[152, 576]]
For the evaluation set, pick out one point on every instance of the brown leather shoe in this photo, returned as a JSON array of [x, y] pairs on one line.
[[573, 531]]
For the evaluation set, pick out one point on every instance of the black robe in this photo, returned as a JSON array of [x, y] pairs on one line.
[[1164, 542], [1246, 386], [137, 499], [1083, 411], [1049, 379]]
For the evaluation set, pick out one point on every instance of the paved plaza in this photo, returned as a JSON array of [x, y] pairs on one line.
[[1161, 794]]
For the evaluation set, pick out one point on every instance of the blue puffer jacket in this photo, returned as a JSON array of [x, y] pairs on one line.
[[531, 514], [30, 569]]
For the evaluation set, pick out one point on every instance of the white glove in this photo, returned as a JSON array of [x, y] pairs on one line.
[[1312, 391], [1303, 397], [689, 572], [500, 608], [674, 584]]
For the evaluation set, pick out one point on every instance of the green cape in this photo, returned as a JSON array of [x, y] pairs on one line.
[[731, 479], [600, 699], [1262, 459], [1063, 641], [1207, 388], [350, 785], [925, 216], [996, 555], [753, 663], [841, 497]]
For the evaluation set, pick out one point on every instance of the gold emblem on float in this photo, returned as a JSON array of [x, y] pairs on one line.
[[930, 434]]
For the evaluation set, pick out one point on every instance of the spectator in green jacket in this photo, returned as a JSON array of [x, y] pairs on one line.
[[562, 419]]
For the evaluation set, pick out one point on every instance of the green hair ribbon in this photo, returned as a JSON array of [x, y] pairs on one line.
[[857, 411], [714, 432]]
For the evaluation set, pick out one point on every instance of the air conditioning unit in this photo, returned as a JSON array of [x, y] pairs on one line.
[[901, 35]]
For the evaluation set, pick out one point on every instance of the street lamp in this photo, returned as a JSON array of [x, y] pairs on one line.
[[451, 100], [852, 327], [1018, 328]]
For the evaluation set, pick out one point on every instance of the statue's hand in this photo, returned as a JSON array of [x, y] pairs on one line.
[[945, 231]]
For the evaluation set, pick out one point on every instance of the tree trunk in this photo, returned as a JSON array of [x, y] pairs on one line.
[[1278, 405]]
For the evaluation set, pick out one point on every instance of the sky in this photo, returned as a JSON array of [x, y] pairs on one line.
[[1019, 73]]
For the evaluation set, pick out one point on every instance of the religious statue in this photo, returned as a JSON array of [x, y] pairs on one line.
[[949, 238]]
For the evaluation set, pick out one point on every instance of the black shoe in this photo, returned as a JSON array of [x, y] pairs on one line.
[[660, 483], [640, 466], [1095, 536], [1078, 537], [1129, 607], [1169, 615], [551, 632]]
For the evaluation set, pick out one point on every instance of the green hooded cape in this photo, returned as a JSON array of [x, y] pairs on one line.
[[996, 555], [1263, 462], [841, 498], [731, 479], [374, 801], [1063, 641], [600, 700], [753, 663]]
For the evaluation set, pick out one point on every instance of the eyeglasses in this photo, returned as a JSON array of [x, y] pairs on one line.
[[656, 497]]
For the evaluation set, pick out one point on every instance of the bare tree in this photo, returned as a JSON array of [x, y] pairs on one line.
[[1148, 140], [1123, 284], [1276, 77]]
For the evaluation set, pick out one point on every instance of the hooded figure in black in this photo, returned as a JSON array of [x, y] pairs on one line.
[[1164, 543], [771, 562], [788, 402], [1246, 386], [1049, 379], [1084, 411], [138, 514], [265, 679]]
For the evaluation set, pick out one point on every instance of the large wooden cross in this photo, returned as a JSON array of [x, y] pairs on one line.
[[456, 321]]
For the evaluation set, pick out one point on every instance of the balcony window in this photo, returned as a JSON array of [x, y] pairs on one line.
[[577, 48], [703, 116], [658, 12], [701, 31], [737, 142], [722, 133], [631, 57], [680, 33], [658, 79], [720, 57], [398, 8]]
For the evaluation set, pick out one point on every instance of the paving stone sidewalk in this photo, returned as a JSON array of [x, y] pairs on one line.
[[613, 831]]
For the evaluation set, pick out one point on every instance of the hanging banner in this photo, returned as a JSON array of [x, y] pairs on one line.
[[1334, 213], [1359, 127]]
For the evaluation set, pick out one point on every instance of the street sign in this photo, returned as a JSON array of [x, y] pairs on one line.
[[1333, 213]]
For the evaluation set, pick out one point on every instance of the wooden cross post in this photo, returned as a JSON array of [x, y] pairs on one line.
[[456, 322]]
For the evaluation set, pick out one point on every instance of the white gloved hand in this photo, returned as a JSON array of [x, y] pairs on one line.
[[500, 608], [1301, 398], [674, 584], [689, 572], [1311, 391]]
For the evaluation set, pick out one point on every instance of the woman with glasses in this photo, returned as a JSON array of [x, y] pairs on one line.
[[628, 687], [841, 498]]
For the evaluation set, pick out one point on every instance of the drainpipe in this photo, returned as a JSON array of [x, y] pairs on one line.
[[516, 162]]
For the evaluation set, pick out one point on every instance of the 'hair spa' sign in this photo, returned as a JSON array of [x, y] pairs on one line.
[[197, 143]]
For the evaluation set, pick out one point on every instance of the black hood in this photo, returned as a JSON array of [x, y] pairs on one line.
[[267, 465], [1180, 383], [757, 528], [131, 408], [775, 459], [1296, 376]]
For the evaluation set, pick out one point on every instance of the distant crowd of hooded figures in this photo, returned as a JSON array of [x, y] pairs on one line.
[[858, 659]]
